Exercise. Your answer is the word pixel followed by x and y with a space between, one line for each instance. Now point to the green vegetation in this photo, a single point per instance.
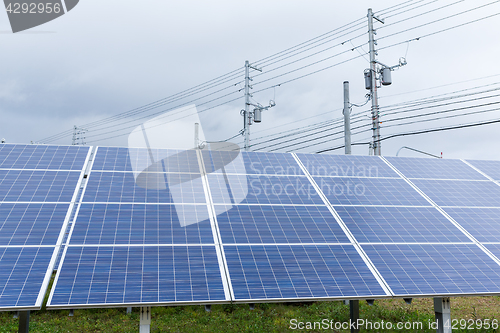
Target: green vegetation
pixel 265 318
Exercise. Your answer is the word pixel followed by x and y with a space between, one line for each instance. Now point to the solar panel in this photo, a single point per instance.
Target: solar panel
pixel 113 224
pixel 491 168
pixel 369 191
pixel 133 159
pixel 252 164
pixel 434 168
pixel 482 223
pixel 279 224
pixel 37 186
pixel 31 223
pixel 22 273
pixel 253 189
pixel 435 269
pixel 157 188
pixel 346 166
pixel 287 272
pixel 46 157
pixel 97 276
pixel 399 225
pixel 461 192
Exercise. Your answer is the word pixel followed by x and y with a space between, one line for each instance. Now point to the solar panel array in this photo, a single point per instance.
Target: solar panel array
pixel 160 226
pixel 37 187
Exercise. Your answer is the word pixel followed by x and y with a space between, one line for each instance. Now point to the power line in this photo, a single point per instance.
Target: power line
pixel 422 132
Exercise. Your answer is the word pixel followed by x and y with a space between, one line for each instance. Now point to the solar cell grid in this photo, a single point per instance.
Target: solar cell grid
pixel 138 159
pixel 265 272
pixel 279 224
pixel 40 186
pixel 434 168
pixel 491 168
pixel 254 189
pixel 461 193
pixel 399 224
pixel 139 274
pixel 14 156
pixel 156 188
pixel 369 191
pixel 435 269
pixel 252 163
pixel 141 224
pixel 346 166
pixel 31 224
pixel 22 271
pixel 482 223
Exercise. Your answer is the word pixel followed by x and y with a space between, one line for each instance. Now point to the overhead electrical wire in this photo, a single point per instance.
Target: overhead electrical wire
pixel 439 129
pixel 271 60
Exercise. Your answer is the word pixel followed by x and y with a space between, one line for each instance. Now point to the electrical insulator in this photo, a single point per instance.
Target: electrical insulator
pixel 368 79
pixel 386 76
pixel 257 115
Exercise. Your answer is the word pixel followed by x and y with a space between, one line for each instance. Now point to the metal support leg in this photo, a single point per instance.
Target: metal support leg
pixel 346 302
pixel 145 321
pixel 71 313
pixel 24 321
pixel 442 309
pixel 129 310
pixel 208 308
pixel 252 306
pixel 16 315
pixel 354 309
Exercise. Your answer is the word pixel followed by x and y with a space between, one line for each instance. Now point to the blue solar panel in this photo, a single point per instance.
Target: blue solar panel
pixel 22 271
pixel 369 191
pixel 42 186
pixel 31 224
pixel 158 188
pixel 434 168
pixel 42 157
pixel 461 193
pixel 346 166
pixel 399 224
pixel 491 168
pixel 435 269
pixel 139 274
pixel 141 224
pixel 134 159
pixel 482 223
pixel 265 272
pixel 279 224
pixel 278 190
pixel 252 163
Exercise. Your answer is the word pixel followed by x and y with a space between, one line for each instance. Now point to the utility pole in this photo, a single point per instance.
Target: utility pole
pixel 371 82
pixel 78 139
pixel 250 116
pixel 246 115
pixel 347 119
pixel 373 90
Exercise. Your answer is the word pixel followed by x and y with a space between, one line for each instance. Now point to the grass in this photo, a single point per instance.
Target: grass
pixel 265 318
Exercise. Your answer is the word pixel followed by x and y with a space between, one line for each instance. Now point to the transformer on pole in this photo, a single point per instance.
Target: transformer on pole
pixel 249 117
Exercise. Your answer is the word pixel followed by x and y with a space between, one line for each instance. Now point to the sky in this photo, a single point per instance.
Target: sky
pixel 104 58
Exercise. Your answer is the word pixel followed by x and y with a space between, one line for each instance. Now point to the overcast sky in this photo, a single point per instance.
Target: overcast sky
pixel 107 57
